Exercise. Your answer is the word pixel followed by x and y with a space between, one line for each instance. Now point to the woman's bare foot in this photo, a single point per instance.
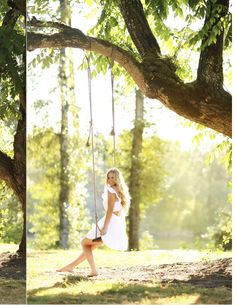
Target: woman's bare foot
pixel 93 273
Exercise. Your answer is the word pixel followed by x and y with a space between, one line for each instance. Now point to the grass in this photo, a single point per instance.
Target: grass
pixel 11 291
pixel 47 287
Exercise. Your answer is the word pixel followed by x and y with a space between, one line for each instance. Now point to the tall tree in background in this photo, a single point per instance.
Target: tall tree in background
pixel 64 76
pixel 135 173
pixel 13 100
pixel 203 99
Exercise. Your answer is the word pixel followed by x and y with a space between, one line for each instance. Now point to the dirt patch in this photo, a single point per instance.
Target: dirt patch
pixel 215 273
pixel 12 266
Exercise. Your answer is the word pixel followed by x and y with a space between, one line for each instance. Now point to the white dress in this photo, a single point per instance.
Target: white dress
pixel 116 237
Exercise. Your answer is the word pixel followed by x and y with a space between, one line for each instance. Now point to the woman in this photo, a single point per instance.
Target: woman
pixel 111 229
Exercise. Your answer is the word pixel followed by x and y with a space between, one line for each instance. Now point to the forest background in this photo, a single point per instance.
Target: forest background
pixel 184 168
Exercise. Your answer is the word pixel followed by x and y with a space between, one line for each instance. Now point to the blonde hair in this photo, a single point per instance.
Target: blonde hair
pixel 121 187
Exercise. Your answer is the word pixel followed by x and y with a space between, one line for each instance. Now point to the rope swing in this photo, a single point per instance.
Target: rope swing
pixel 113 113
pixel 92 141
pixel 91 134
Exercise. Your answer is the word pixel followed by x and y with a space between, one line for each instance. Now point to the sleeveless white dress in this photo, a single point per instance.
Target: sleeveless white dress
pixel 116 237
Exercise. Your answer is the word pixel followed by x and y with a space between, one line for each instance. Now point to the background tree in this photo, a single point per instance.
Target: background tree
pixel 13 103
pixel 135 172
pixel 44 190
pixel 64 135
pixel 196 194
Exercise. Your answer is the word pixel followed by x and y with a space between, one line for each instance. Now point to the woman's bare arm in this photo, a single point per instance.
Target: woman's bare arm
pixel 111 202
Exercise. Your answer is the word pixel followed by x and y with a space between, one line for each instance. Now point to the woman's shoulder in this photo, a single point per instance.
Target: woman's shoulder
pixel 113 189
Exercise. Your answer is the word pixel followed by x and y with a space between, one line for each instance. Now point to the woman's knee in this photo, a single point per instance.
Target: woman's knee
pixel 84 242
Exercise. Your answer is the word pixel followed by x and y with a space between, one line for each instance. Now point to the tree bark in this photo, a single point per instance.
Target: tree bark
pixel 138 27
pixel 20 168
pixel 135 173
pixel 210 69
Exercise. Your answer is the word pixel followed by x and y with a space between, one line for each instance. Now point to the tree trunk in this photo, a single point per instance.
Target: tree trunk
pixel 20 157
pixel 64 137
pixel 20 191
pixel 22 197
pixel 134 183
pixel 64 177
pixel 18 179
pixel 13 172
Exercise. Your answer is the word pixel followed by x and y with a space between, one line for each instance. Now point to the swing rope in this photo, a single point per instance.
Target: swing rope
pixel 91 133
pixel 113 113
pixel 92 141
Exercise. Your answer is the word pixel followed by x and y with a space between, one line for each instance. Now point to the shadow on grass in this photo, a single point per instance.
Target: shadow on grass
pixel 12 291
pixel 12 279
pixel 121 293
pixel 12 266
pixel 209 281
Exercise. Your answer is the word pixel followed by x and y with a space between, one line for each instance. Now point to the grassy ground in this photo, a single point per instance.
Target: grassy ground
pixel 12 291
pixel 45 286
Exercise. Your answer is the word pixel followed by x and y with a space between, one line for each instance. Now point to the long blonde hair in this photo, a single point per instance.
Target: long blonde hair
pixel 122 188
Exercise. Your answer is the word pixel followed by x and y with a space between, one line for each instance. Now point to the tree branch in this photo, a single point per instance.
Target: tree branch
pixel 138 27
pixel 6 167
pixel 11 172
pixel 210 69
pixel 74 38
pixel 155 77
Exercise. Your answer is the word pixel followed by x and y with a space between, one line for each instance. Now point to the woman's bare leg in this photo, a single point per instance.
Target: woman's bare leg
pixel 88 252
pixel 79 260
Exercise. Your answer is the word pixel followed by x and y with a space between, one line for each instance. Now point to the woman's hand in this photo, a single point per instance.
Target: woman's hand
pixel 103 231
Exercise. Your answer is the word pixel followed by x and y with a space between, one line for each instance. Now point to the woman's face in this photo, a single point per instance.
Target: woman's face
pixel 111 179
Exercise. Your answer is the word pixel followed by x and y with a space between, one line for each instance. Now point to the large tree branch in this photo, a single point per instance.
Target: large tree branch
pixel 9 173
pixel 74 38
pixel 6 167
pixel 155 77
pixel 210 69
pixel 138 27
